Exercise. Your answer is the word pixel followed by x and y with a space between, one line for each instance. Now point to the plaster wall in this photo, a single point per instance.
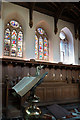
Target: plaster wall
pixel 12 11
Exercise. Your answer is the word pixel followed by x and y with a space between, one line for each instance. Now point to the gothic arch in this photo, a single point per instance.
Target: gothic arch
pixel 69 37
pixel 43 24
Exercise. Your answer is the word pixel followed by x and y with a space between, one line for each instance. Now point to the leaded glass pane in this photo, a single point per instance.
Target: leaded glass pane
pixel 41 44
pixel 62 35
pixel 36 47
pixel 7 42
pixel 45 49
pixel 20 39
pixel 13 43
pixel 41 31
pixel 40 48
pixel 14 23
pixel 20 36
pixel 19 53
pixel 6 47
pixel 7 34
pixel 13 39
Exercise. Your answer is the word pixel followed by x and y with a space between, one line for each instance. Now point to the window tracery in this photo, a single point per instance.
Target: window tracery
pixel 41 44
pixel 13 39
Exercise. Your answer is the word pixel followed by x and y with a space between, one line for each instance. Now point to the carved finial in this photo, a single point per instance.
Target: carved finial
pixel 38 69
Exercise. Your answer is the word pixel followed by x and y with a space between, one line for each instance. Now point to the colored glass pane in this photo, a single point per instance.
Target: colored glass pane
pixel 40 48
pixel 13 52
pixel 20 36
pixel 19 54
pixel 13 43
pixel 14 35
pixel 7 34
pixel 6 47
pixel 14 23
pixel 41 31
pixel 7 42
pixel 45 49
pixel 45 42
pixel 36 46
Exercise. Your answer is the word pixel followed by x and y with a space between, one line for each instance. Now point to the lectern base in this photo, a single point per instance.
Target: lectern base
pixel 32 112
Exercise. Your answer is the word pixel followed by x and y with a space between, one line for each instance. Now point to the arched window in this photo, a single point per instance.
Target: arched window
pixel 13 39
pixel 64 47
pixel 41 44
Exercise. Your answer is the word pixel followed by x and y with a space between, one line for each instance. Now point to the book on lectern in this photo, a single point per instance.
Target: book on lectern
pixel 24 85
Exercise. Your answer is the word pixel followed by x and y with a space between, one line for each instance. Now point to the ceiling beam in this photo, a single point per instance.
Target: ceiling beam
pixel 50 5
pixel 74 12
pixel 56 11
pixel 77 8
pixel 54 3
pixel 44 11
pixel 31 14
pixel 58 15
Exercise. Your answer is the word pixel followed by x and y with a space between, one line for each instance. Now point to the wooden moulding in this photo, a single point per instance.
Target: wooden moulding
pixel 32 62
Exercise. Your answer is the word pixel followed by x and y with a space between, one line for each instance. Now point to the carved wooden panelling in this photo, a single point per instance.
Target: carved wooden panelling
pixel 25 71
pixel 66 92
pixel 56 86
pixel 47 78
pixel 50 94
pixel 40 92
pixel 64 74
pixel 32 71
pixel 69 76
pixel 58 72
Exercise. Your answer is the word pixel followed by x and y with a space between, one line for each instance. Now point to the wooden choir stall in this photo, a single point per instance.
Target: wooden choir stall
pixel 61 84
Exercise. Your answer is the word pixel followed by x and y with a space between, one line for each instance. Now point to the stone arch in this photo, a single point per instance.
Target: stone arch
pixel 47 29
pixel 15 16
pixel 45 26
pixel 71 44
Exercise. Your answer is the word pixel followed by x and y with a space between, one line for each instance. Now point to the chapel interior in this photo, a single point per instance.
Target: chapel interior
pixel 38 38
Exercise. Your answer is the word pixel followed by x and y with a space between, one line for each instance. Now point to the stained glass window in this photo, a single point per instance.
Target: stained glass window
pixel 40 30
pixel 41 45
pixel 20 39
pixel 13 39
pixel 14 23
pixel 7 42
pixel 45 49
pixel 40 48
pixel 36 46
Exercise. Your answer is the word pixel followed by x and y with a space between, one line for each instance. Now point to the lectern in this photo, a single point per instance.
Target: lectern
pixel 29 84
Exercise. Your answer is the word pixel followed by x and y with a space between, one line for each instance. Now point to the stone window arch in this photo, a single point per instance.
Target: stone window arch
pixel 13 39
pixel 41 44
pixel 66 46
